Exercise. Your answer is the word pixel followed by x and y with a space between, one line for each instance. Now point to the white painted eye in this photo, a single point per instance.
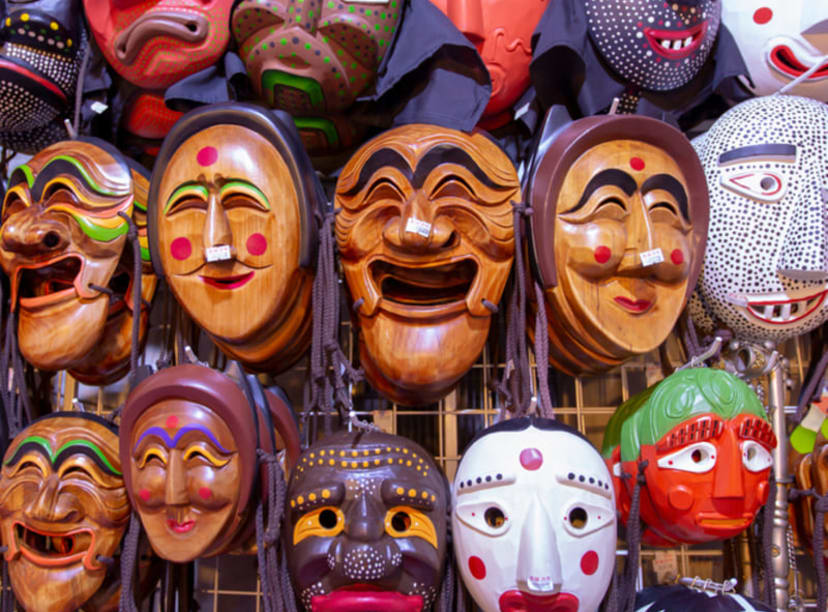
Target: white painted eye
pixel 489 517
pixel 582 518
pixel 697 458
pixel 757 184
pixel 755 457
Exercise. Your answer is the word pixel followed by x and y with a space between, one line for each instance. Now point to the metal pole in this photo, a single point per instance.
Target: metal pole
pixel 779 544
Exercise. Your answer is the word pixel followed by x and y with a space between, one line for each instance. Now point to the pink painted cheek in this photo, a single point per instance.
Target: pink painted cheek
pixel 602 254
pixel 144 494
pixel 677 257
pixel 477 567
pixel 256 244
pixel 180 248
pixel 589 562
pixel 681 498
pixel 205 492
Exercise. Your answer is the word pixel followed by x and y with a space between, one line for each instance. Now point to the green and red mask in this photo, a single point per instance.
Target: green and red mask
pixel 707 442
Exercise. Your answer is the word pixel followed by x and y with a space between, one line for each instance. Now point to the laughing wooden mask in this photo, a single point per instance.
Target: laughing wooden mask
pixel 426 240
pixel 365 526
pixel 232 226
pixel 63 505
pixel 61 242
pixel 617 236
pixel 188 447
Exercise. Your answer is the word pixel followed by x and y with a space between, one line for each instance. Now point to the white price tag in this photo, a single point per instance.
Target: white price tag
pixel 98 107
pixel 665 565
pixel 416 226
pixel 651 258
pixel 218 253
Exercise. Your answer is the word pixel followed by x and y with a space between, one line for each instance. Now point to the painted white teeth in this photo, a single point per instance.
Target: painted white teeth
pixel 665 44
pixel 768 311
pixel 785 313
pixel 677 45
pixel 688 41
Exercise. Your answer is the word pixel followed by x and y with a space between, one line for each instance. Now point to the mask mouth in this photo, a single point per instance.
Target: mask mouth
pixel 49 548
pixel 366 598
pixel 518 601
pixel 716 521
pixel 424 287
pixel 676 44
pixel 785 61
pixel 233 281
pixel 48 283
pixel 780 311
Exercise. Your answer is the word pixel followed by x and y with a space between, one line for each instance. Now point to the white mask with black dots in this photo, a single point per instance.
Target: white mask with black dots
pixel 651 43
pixel 765 272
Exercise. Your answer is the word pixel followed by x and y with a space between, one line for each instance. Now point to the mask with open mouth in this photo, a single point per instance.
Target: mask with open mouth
pixel 708 442
pixel 533 519
pixel 154 43
pixel 61 242
pixel 63 505
pixel 426 241
pixel 365 524
pixel 502 32
pixel 43 41
pixel 314 59
pixel 188 447
pixel 232 227
pixel 617 236
pixel 654 44
pixel 765 273
pixel 779 41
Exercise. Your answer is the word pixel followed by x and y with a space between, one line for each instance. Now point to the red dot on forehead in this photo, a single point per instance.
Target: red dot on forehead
pixel 207 156
pixel 172 422
pixel 637 164
pixel 589 562
pixel 477 567
pixel 531 458
pixel 762 15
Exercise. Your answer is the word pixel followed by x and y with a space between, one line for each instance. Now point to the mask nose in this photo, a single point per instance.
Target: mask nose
pixel 467 15
pixel 539 565
pixel 417 229
pixel 30 233
pixel 727 475
pixel 805 252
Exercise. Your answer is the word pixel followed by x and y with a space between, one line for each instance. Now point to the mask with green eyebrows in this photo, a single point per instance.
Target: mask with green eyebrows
pixel 62 245
pixel 707 442
pixel 63 505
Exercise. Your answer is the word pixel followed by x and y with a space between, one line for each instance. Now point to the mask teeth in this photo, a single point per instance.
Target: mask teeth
pixel 784 312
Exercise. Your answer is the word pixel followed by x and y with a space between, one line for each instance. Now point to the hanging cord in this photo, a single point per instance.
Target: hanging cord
pixel 542 356
pixel 612 603
pixel 267 537
pixel 79 89
pixel 767 533
pixel 132 236
pixel 129 564
pixel 633 539
pixel 7 598
pixel 690 337
pixel 15 391
pixel 816 66
pixel 820 507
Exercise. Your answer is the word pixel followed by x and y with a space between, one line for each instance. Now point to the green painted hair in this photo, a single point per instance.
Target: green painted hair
pixel 646 417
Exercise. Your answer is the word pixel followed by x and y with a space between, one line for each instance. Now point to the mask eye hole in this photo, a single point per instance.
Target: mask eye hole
pixel 328 518
pixel 696 458
pixel 401 521
pixel 762 185
pixel 578 517
pixel 755 457
pixel 494 517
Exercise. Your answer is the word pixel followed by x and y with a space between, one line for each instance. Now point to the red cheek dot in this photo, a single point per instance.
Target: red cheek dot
pixel 602 254
pixel 256 244
pixel 172 422
pixel 205 492
pixel 477 567
pixel 637 164
pixel 763 15
pixel 144 494
pixel 677 257
pixel 180 248
pixel 207 156
pixel 589 562
pixel 531 458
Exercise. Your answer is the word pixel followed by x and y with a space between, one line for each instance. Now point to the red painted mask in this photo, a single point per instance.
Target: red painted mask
pixel 502 32
pixel 154 43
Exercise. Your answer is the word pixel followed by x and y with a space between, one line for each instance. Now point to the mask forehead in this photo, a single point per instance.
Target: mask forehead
pixel 766 265
pixel 654 44
pixel 780 41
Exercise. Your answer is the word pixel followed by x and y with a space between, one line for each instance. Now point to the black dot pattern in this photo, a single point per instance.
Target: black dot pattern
pixel 758 248
pixel 630 35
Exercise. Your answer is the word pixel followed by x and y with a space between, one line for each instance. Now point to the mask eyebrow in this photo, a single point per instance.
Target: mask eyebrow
pixel 786 151
pixel 485 481
pixel 611 176
pixel 448 154
pixel 380 159
pixel 189 186
pixel 703 428
pixel 31 444
pixel 325 494
pixel 589 483
pixel 171 442
pixel 68 165
pixel 671 185
pixel 398 491
pixel 231 184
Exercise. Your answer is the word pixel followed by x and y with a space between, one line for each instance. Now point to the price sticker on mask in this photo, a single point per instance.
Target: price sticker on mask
pixel 417 226
pixel 652 257
pixel 218 253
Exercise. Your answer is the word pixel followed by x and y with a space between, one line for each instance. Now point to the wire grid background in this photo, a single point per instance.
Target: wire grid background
pixel 230 582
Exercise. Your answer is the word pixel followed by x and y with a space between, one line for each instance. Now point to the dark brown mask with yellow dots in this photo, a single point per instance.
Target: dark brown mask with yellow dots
pixel 366 524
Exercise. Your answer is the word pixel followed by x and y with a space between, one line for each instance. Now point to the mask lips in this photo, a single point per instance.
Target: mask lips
pixel 785 60
pixel 48 283
pixel 54 549
pixel 362 597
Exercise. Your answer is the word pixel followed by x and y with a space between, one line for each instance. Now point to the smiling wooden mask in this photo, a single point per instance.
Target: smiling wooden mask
pixel 426 241
pixel 232 225
pixel 63 505
pixel 61 242
pixel 618 235
pixel 365 527
pixel 188 446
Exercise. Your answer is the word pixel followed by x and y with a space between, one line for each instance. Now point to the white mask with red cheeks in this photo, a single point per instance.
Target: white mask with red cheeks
pixel 534 519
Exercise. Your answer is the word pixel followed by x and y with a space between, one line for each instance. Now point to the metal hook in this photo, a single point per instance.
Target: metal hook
pixel 705 355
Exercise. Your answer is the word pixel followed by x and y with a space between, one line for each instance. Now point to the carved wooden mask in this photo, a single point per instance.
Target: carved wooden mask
pixel 231 225
pixel 154 43
pixel 426 240
pixel 62 505
pixel 61 237
pixel 618 236
pixel 708 444
pixel 188 446
pixel 365 524
pixel 810 472
pixel 502 32
pixel 313 59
